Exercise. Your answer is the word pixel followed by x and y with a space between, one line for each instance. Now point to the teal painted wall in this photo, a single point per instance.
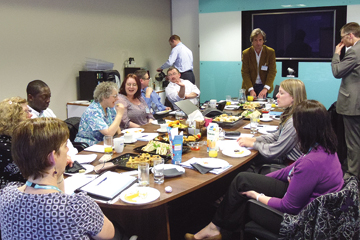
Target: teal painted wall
pixel 211 6
pixel 219 79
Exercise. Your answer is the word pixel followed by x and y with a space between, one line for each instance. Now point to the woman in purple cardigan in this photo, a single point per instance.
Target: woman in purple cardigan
pixel 315 173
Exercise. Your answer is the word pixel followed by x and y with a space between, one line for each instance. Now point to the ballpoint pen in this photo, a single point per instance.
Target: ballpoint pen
pixel 101 181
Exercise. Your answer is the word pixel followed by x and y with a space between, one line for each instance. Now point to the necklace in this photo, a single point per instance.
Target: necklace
pixel 37 186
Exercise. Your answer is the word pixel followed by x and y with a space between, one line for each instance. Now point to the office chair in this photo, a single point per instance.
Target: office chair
pixel 330 216
pixel 275 92
pixel 73 125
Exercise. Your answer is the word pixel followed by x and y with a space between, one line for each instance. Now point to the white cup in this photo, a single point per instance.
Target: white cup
pixel 128 137
pixel 119 144
pixel 212 103
pixel 163 127
pixel 266 115
pixel 268 106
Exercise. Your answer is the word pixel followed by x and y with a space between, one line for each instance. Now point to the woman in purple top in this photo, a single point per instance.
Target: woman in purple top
pixel 137 112
pixel 315 173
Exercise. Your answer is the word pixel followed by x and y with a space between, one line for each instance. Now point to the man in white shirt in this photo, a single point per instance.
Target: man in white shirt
pixel 38 97
pixel 180 89
pixel 180 57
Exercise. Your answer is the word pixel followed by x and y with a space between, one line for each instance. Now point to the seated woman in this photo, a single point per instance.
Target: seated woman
pixel 40 209
pixel 12 111
pixel 315 173
pixel 102 117
pixel 137 112
pixel 282 145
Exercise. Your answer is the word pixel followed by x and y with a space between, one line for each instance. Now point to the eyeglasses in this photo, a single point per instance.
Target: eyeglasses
pixel 129 84
pixel 145 79
pixel 344 36
pixel 115 96
pixel 172 74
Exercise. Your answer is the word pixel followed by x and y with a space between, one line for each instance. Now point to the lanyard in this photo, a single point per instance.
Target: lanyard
pixel 37 186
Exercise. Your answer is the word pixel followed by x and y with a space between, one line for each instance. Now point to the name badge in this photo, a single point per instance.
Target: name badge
pixel 264 68
pixel 147 110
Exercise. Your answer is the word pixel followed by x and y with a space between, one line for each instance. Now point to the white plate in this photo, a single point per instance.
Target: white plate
pixel 162 112
pixel 170 166
pixel 133 141
pixel 264 130
pixel 88 167
pixel 133 130
pixel 155 122
pixel 161 131
pixel 151 195
pixel 231 107
pixel 243 152
pixel 212 162
pixel 266 119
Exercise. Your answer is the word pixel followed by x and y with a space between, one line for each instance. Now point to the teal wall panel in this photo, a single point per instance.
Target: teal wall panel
pixel 219 79
pixel 211 6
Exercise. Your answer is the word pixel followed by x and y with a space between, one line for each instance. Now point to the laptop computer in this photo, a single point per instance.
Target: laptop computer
pixel 186 106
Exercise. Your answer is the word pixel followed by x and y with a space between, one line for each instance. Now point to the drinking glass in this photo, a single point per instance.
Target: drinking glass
pixel 254 122
pixel 108 144
pixel 242 96
pixel 143 174
pixel 158 171
pixel 228 99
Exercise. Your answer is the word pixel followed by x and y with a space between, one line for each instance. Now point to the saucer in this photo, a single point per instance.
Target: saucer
pixel 161 131
pixel 133 141
pixel 266 119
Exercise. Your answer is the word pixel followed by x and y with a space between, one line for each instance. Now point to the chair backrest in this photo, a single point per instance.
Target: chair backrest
pixel 330 216
pixel 275 92
pixel 73 125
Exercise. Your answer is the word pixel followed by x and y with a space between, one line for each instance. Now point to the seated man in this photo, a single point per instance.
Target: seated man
pixel 180 89
pixel 38 97
pixel 151 98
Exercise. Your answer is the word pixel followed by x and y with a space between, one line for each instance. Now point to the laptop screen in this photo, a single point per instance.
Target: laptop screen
pixel 186 106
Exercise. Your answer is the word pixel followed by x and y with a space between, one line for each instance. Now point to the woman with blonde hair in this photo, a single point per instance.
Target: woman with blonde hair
pixel 12 111
pixel 282 145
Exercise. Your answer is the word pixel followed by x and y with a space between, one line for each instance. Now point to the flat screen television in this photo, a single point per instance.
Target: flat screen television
pixel 303 34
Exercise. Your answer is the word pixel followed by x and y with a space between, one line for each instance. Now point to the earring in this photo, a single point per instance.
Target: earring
pixel 55 172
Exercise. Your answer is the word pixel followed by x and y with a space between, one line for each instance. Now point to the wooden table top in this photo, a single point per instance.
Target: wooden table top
pixel 190 181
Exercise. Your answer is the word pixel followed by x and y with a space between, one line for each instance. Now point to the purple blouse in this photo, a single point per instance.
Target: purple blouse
pixel 139 114
pixel 311 176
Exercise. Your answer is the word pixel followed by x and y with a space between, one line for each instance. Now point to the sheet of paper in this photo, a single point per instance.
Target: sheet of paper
pixel 95 148
pixel 147 136
pixel 84 158
pixel 76 181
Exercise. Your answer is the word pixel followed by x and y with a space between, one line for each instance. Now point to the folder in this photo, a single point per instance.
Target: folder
pixel 107 186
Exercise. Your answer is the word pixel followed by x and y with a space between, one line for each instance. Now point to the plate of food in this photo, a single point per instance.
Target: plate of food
pixel 162 112
pixel 251 105
pixel 186 138
pixel 235 153
pixel 133 130
pixel 159 148
pixel 139 195
pixel 177 124
pixel 158 122
pixel 247 114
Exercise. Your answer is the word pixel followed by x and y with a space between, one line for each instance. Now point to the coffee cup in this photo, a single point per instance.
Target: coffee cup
pixel 268 106
pixel 163 127
pixel 119 144
pixel 128 137
pixel 266 116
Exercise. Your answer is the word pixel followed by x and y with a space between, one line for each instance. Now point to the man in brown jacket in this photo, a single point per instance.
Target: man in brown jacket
pixel 258 66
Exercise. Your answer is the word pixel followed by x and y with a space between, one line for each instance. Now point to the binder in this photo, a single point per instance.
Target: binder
pixel 107 186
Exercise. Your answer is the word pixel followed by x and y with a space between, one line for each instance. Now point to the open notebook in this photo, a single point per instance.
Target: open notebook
pixel 108 185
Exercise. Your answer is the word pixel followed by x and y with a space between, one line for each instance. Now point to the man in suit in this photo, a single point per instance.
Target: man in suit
pixel 258 66
pixel 348 102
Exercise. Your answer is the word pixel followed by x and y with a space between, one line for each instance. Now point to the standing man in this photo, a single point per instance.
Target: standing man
pixel 348 102
pixel 258 66
pixel 150 96
pixel 181 58
pixel 180 89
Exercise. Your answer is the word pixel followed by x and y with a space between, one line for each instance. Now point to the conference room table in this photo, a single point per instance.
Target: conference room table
pixel 156 219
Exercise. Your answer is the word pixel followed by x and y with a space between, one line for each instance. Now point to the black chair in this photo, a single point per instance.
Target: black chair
pixel 330 216
pixel 73 125
pixel 275 92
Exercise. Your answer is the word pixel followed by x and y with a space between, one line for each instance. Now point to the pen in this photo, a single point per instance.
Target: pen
pixel 144 136
pixel 101 181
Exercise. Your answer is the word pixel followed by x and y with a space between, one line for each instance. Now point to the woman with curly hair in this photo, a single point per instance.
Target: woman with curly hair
pixel 12 111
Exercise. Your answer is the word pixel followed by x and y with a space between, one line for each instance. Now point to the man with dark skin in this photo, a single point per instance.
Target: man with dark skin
pixel 38 97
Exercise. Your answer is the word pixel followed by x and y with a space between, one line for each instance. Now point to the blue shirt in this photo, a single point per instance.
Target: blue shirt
pixel 92 121
pixel 181 57
pixel 153 102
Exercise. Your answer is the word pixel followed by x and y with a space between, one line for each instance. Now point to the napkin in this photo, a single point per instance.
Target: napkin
pixel 200 168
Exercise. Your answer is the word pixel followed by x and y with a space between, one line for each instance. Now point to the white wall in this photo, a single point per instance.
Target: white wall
pixel 50 40
pixel 185 23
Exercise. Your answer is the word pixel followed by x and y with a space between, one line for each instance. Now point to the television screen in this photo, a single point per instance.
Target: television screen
pixel 300 34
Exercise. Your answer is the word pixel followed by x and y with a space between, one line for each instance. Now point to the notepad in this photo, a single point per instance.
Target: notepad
pixel 108 185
